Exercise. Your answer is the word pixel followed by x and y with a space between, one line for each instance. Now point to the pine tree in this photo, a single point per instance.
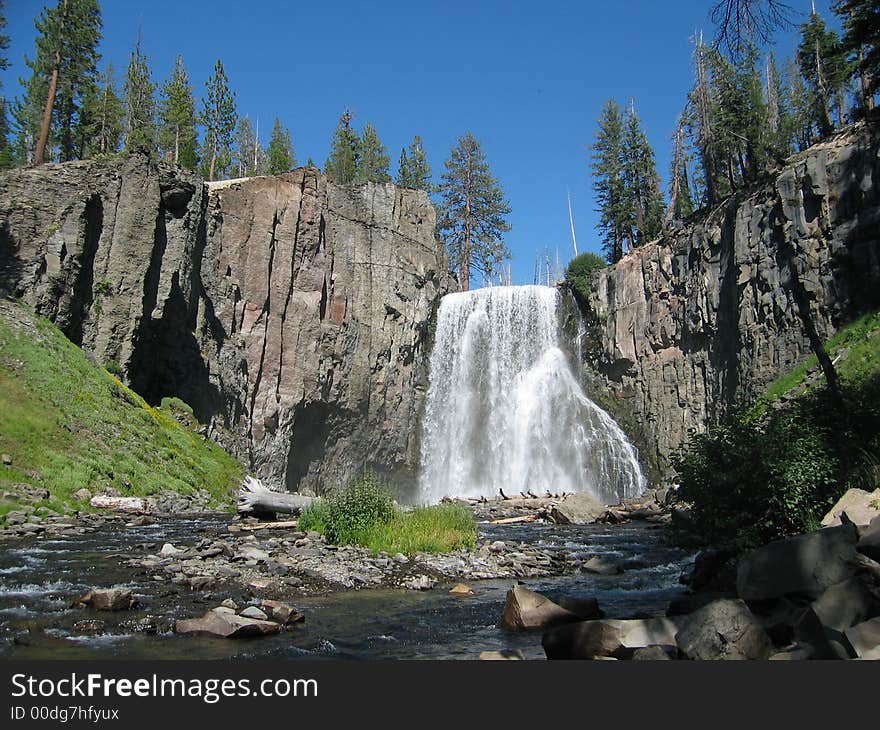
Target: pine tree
pixel 681 202
pixel 644 201
pixel 609 182
pixel 703 124
pixel 139 94
pixel 248 151
pixel 473 213
pixel 64 68
pixel 7 157
pixel 342 164
pixel 374 161
pixel 281 156
pixel 100 130
pixel 823 64
pixel 413 171
pixel 861 40
pixel 219 118
pixel 177 119
pixel 801 107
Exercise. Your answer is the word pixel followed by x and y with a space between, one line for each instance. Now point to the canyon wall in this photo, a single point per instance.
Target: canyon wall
pixel 683 329
pixel 292 314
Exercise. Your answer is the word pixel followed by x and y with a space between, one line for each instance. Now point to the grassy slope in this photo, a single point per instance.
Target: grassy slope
pixel 68 424
pixel 855 350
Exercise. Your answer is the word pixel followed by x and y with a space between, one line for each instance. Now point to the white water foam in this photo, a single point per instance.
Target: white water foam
pixel 504 410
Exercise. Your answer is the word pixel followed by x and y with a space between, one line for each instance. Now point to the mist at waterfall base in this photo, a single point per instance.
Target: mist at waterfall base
pixel 505 411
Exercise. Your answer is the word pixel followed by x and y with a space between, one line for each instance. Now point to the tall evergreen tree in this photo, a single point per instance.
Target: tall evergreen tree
pixel 219 118
pixel 474 212
pixel 342 164
pixel 413 170
pixel 681 202
pixel 177 119
pixel 374 161
pixel 64 68
pixel 823 64
pixel 7 158
pixel 139 95
pixel 703 123
pixel 609 182
pixel 248 153
pixel 280 154
pixel 644 201
pixel 100 130
pixel 861 39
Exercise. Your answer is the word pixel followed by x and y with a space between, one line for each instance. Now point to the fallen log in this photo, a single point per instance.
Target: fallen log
pixel 515 520
pixel 137 505
pixel 255 499
pixel 285 525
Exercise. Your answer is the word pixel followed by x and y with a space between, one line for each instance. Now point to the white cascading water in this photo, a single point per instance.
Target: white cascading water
pixel 504 410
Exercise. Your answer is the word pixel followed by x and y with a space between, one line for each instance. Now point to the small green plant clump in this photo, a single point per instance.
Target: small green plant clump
pixel 579 273
pixel 364 514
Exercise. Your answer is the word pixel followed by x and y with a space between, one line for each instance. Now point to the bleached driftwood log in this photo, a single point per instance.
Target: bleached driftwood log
pixel 255 499
pixel 138 505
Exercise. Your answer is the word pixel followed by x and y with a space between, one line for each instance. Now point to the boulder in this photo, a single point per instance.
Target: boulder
pixel 226 625
pixel 526 609
pixel 864 638
pixel 284 613
pixel 504 654
pixel 713 569
pixel 724 629
pixel 586 609
pixel 254 612
pixel 460 589
pixel 869 539
pixel 108 599
pixel 795 652
pixel 601 566
pixel 577 509
pixel 608 637
pixel 827 642
pixel 801 565
pixel 845 604
pixel 860 507
pixel 652 654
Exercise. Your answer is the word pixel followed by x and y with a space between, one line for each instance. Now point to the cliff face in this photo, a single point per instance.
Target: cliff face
pixel 292 314
pixel 681 330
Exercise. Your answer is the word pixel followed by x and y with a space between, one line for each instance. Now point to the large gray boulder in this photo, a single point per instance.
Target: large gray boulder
pixel 801 565
pixel 859 506
pixel 226 625
pixel 724 629
pixel 527 609
pixel 577 509
pixel 865 639
pixel 608 637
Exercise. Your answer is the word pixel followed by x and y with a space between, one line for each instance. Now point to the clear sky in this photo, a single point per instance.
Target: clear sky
pixel 527 78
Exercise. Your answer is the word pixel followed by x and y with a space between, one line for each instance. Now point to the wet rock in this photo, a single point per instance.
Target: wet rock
pixel 601 566
pixel 577 509
pixel 226 625
pixel 253 612
pixel 724 629
pixel 282 612
pixel 89 626
pixel 460 589
pixel 109 599
pixel 858 507
pixel 865 639
pixel 502 655
pixel 527 609
pixel 804 564
pixel 586 609
pixel 607 637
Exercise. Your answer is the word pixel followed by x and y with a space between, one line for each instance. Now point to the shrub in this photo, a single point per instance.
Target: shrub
pixel 114 368
pixel 579 273
pixel 353 512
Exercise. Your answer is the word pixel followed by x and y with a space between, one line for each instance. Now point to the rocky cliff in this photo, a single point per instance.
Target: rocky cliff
pixel 292 314
pixel 683 329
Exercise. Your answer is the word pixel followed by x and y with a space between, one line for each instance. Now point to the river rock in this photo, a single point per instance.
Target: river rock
pixel 108 599
pixel 607 637
pixel 282 612
pixel 226 625
pixel 859 506
pixel 527 609
pixel 586 609
pixel 504 654
pixel 865 639
pixel 254 612
pixel 724 629
pixel 577 509
pixel 460 589
pixel 869 540
pixel 845 604
pixel 601 566
pixel 168 550
pixel 805 564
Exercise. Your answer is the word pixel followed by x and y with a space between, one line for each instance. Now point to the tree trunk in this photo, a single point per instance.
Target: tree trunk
pixel 254 498
pixel 176 143
pixel 47 112
pixel 466 252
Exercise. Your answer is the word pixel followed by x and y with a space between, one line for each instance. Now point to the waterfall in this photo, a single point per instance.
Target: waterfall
pixel 504 410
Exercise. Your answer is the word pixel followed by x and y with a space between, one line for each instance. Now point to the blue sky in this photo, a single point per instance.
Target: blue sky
pixel 528 79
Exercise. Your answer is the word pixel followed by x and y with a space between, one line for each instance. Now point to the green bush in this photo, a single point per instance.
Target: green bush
pixel 357 509
pixel 114 368
pixel 579 273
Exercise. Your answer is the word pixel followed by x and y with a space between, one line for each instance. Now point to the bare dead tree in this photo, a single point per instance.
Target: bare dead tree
pixel 739 21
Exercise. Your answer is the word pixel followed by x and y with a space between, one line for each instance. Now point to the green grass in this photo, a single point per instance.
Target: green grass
pixel 363 514
pixel 858 344
pixel 68 424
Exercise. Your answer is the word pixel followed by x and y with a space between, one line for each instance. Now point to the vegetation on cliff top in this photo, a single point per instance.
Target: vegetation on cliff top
pixel 777 468
pixel 69 425
pixel 364 514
